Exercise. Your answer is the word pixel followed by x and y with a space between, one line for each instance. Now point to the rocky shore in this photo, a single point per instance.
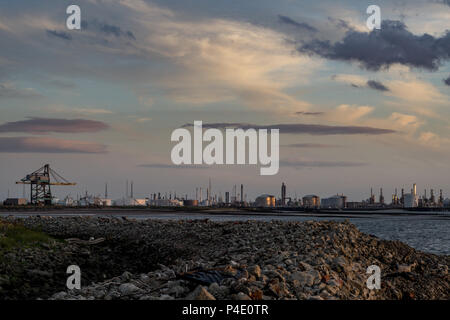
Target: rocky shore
pixel 152 259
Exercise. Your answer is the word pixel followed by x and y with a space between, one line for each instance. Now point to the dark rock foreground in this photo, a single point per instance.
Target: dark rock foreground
pixel 254 260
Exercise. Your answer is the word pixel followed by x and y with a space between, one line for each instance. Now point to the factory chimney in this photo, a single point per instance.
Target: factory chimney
pixel 131 195
pixel 283 194
pixel 381 196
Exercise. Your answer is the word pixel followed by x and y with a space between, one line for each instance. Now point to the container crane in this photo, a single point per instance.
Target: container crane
pixel 40 182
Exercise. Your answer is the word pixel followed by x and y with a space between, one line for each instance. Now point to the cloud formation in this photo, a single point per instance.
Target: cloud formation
pixel 357 81
pixel 447 81
pixel 376 85
pixel 109 29
pixel 47 125
pixel 48 145
pixel 172 166
pixel 305 113
pixel 59 34
pixel 300 128
pixel 299 25
pixel 320 164
pixel 380 49
pixel 9 91
pixel 310 145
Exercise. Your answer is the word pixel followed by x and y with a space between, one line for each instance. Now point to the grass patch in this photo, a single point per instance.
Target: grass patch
pixel 15 235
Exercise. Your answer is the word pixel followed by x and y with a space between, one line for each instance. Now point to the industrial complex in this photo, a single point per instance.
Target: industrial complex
pixel 41 181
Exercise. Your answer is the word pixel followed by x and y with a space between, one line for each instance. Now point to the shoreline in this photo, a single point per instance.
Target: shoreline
pixel 146 259
pixel 113 211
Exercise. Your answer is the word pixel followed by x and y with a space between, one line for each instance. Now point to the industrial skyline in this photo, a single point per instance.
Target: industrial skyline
pixel 42 181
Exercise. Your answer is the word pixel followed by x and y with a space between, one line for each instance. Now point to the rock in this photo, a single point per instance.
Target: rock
pixel 144 278
pixel 241 296
pixel 256 294
pixel 200 293
pixel 277 288
pixel 315 298
pixel 178 291
pixel 219 292
pixel 128 288
pixel 60 295
pixel 99 294
pixel 306 278
pixel 404 268
pixel 126 276
pixel 230 271
pixel 339 264
pixel 40 273
pixel 255 270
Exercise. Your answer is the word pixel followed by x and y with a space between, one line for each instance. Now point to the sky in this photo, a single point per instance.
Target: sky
pixel 356 108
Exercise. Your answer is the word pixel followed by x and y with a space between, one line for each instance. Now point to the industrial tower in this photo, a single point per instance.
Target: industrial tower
pixel 40 182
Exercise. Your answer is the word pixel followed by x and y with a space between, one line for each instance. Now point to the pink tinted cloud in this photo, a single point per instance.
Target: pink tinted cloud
pixel 48 145
pixel 47 125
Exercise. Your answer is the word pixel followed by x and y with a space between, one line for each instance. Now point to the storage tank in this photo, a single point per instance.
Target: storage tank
pixel 265 200
pixel 190 203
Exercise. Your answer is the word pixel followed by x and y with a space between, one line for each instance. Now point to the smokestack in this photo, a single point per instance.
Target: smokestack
pixel 132 195
pixel 106 190
pixel 209 191
pixel 242 193
pixel 283 194
pixel 381 196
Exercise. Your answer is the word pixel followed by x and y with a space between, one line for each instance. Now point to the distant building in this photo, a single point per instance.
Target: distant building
pixel 265 200
pixel 15 202
pixel 446 203
pixel 104 202
pixel 334 202
pixel 190 203
pixel 168 202
pixel 130 202
pixel 67 202
pixel 311 201
pixel 355 205
pixel 410 201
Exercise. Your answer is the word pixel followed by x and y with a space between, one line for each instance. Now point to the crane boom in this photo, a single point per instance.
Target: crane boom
pixel 40 182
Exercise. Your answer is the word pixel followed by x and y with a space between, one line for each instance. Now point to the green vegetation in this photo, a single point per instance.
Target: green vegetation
pixel 15 235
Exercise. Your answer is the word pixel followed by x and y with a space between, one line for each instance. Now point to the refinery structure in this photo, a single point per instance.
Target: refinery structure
pixel 41 181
